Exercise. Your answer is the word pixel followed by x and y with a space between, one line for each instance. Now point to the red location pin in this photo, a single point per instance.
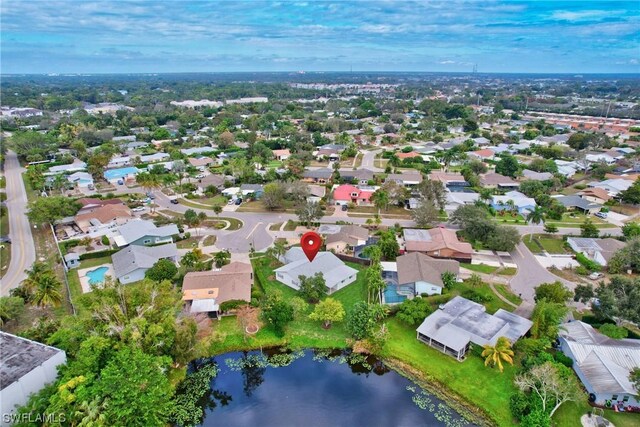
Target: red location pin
pixel 311 243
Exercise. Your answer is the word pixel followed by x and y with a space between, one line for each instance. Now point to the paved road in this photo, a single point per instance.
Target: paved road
pixel 23 251
pixel 368 160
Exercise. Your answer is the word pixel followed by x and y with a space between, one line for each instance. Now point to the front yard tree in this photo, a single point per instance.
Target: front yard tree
pixel 619 300
pixel 309 212
pixel 550 228
pixel 507 166
pixel 627 258
pixel 313 288
pixel 50 209
pixel 328 311
pixel 589 229
pixel 388 245
pixel 425 214
pixel 632 194
pixel 380 199
pixel 503 238
pixel 217 209
pixel 546 319
pixel 553 292
pixel 163 269
pixel 434 191
pixel 496 354
pixel 221 258
pixel 278 314
pixel 448 279
pixel 273 196
pixel 552 383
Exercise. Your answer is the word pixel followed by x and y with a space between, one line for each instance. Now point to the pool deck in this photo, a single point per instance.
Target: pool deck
pixel 84 279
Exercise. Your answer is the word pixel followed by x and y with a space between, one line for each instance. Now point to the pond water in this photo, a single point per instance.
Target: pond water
pixel 317 388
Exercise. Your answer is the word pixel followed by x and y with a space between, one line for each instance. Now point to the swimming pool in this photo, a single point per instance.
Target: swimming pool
pixel 97 276
pixel 120 173
pixel 391 295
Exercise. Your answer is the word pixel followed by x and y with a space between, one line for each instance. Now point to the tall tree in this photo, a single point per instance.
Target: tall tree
pixel 328 311
pixel 426 214
pixel 52 208
pixel 309 212
pixel 551 383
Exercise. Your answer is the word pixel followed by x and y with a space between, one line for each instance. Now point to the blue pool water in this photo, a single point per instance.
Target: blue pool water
pixel 391 295
pixel 120 173
pixel 97 276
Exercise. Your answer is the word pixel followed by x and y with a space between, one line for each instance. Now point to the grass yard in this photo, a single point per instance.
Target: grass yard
pixel 482 294
pixel 235 224
pixel 577 219
pixel 568 415
pixel 508 271
pixel 391 211
pixel 190 243
pixel 551 244
pixel 486 389
pixel 479 268
pixel 258 206
pixel 505 291
pixel 275 227
pixel 5 248
pixel 290 226
pixel 209 241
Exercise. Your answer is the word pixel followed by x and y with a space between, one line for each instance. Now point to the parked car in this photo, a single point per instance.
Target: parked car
pixel 120 182
pixel 138 209
pixel 601 215
pixel 91 187
pixel 230 202
pixel 596 276
pixel 238 201
pixel 174 201
pixel 5 239
pixel 344 207
pixel 150 195
pixel 200 176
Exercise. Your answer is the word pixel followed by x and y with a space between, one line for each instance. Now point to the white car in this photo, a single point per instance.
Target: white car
pixel 596 276
pixel 200 176
pixel 138 209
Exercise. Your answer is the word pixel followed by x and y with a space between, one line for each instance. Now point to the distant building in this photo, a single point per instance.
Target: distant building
pixel 25 368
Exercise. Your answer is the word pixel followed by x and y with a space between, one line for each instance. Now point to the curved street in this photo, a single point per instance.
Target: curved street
pixel 23 251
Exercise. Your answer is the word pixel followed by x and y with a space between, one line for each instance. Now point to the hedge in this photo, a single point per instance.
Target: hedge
pixel 100 254
pixel 587 263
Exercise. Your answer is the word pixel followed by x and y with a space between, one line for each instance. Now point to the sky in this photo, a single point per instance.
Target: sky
pixel 223 36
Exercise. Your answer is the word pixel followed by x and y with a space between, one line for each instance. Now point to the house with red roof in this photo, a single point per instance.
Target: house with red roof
pixel 484 154
pixel 344 194
pixel 408 155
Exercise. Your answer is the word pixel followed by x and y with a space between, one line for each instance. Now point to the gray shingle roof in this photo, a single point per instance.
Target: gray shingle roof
pixel 134 257
pixel 333 270
pixel 137 228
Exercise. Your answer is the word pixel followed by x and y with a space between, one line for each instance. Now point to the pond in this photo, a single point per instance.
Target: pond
pixel 317 388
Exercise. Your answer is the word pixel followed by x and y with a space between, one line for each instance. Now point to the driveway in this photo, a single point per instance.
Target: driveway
pixel 23 251
pixel 531 274
pixel 368 158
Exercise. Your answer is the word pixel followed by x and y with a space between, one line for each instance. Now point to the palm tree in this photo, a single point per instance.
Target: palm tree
pixel 279 248
pixel 497 353
pixel 221 258
pixel 48 292
pixel 169 179
pixel 536 216
pixel 380 199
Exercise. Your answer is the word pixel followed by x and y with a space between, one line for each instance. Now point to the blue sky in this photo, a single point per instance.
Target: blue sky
pixel 163 36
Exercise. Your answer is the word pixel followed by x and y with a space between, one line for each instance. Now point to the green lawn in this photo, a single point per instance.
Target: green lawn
pixel 479 268
pixel 290 226
pixel 577 219
pixel 505 291
pixel 482 294
pixel 258 206
pixel 209 241
pixel 486 389
pixel 551 244
pixel 190 243
pixel 211 221
pixel 371 210
pixel 5 248
pixel 568 415
pixel 275 227
pixel 508 271
pixel 206 203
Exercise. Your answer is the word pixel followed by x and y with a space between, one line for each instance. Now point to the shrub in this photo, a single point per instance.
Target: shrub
pixel 232 304
pixel 561 358
pixel 475 296
pixel 581 270
pixel 613 331
pixel 105 240
pixel 99 254
pixel 587 263
pixel 414 311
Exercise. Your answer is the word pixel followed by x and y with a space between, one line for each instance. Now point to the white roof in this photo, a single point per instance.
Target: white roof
pixel 204 305
pixel 333 270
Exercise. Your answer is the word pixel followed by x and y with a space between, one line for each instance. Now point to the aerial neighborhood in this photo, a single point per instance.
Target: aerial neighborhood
pixel 472 236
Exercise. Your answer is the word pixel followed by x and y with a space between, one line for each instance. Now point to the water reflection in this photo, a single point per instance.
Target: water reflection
pixel 315 388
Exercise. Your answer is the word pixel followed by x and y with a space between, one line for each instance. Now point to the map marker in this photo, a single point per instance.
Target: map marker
pixel 311 243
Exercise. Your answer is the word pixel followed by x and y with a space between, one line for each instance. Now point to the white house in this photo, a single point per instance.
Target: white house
pixel 25 368
pixel 603 364
pixel 336 274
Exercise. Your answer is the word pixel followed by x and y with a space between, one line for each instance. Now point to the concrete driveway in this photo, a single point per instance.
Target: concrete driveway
pixel 23 251
pixel 368 157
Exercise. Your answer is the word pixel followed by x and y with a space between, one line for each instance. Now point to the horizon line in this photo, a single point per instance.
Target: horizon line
pixel 302 72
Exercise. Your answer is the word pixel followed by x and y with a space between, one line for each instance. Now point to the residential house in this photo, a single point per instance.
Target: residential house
pixel 76 166
pixel 597 250
pixel 482 155
pixel 515 200
pixel 612 186
pixel 595 195
pixel 458 323
pixel 316 193
pixel 356 177
pixel 252 190
pixel 154 158
pixel 344 194
pixel 200 163
pixel 495 180
pixel 282 154
pixel 120 175
pixel 575 202
pixel 566 168
pixel 118 162
pixel 143 232
pixel 318 176
pixel 336 274
pixel 26 367
pixel 409 155
pixel 88 204
pixel 347 238
pixel 438 242
pixel 456 199
pixel 536 176
pixel 449 179
pixel 205 291
pixel 211 180
pixel 197 150
pixel 406 179
pixel 602 364
pixel 415 274
pixel 131 263
pixel 103 220
pixel 81 179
